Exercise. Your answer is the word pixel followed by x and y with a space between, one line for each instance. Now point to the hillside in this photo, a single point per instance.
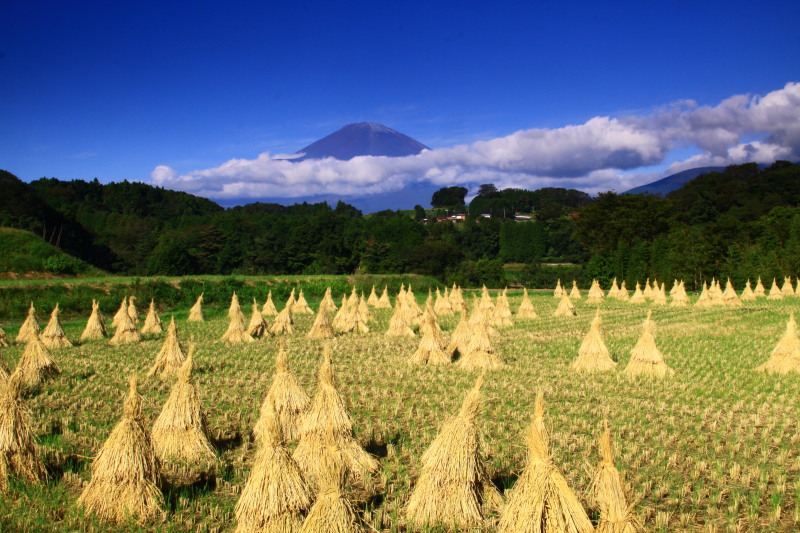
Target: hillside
pixel 23 254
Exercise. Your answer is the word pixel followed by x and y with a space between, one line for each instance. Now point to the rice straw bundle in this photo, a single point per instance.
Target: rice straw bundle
pixel 257 327
pixel 301 306
pixel 747 294
pixel 3 339
pixel 716 293
pixel 593 355
pixel 454 488
pixel 456 298
pixel 429 351
pixel 363 310
pixel 322 327
pixel 459 340
pixel 558 292
pixel 133 313
pixel 612 292
pixel 332 512
pixel 36 364
pixel 608 493
pixel 180 435
pixel 327 304
pixel 565 307
pixel 797 287
pixel 787 289
pixel 4 371
pixel 785 356
pixel 638 295
pixel 501 317
pixel 442 306
pixel 121 312
pixel 647 292
pixel 30 328
pixel 679 296
pixel 526 310
pixel 479 352
pixel 95 328
pixel 622 294
pixel 575 293
pixel 236 334
pixel 340 319
pixel 275 497
pixel 125 471
pixel 383 301
pixel 285 401
pixel 152 322
pixel 774 292
pixel 660 295
pixel 126 332
pixel 430 321
pixel 759 291
pixel 373 298
pixel 171 357
pixel 269 308
pixel 328 422
pixel 541 500
pixel 705 298
pixel 19 454
pixel 196 312
pixel 486 304
pixel 646 359
pixel 412 307
pixel 284 323
pixel 596 294
pixel 53 336
pixel 730 297
pixel 290 301
pixel 235 310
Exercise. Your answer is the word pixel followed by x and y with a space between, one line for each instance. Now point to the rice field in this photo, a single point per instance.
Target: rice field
pixel 716 448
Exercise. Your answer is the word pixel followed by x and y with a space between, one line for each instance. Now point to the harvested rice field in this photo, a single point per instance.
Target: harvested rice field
pixel 713 448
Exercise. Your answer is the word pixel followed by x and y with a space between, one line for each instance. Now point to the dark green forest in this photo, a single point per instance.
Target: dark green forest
pixel 743 222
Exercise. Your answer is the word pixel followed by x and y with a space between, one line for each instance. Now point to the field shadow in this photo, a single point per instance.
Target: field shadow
pixel 229 442
pixel 175 491
pixel 505 482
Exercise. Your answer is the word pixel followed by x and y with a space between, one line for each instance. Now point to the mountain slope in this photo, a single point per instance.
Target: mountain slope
pixel 23 252
pixel 363 138
pixel 672 182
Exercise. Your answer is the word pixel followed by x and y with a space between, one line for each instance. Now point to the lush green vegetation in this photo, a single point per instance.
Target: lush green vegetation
pixel 22 251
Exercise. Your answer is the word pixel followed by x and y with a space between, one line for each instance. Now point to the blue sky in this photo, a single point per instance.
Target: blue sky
pixel 192 95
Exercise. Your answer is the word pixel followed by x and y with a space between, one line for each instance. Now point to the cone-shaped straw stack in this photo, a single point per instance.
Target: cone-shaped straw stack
pixel 284 323
pixel 285 401
pixel 608 493
pixel 95 328
pixel 53 336
pixel 258 326
pixel 322 327
pixel 705 298
pixel 400 322
pixel 373 297
pixel 327 422
pixel 646 359
pixel 30 328
pixel 276 497
pixel 565 307
pixel 593 355
pixel 775 292
pixel 36 365
pixel 121 312
pixel 559 291
pixel 332 511
pixel 3 339
pixel 575 293
pixel 430 350
pixel 125 471
pixel 501 316
pixel 596 294
pixel 526 310
pixel 622 293
pixel 614 290
pixel 327 305
pixel 171 357
pixel 786 355
pixel 126 332
pixel 383 301
pixel 454 488
pixel 459 340
pixel 152 322
pixel 479 352
pixel 660 295
pixel 679 296
pixel 19 455
pixel 638 295
pixel 747 294
pixel 541 499
pixel 759 291
pixel 236 332
pixel 269 308
pixel 133 313
pixel 180 436
pixel 301 307
pixel 196 312
pixel 787 289
pixel 442 306
pixel 235 310
pixel 730 297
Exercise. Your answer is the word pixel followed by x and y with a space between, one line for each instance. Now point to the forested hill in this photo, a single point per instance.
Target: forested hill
pixel 741 222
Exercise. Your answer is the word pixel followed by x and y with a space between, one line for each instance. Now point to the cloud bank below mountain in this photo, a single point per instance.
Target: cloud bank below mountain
pixel 604 153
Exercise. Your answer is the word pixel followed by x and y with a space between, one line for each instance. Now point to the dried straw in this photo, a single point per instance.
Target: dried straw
pixel 660 295
pixel 171 357
pixel 558 292
pixel 19 454
pixel 301 306
pixel 284 323
pixel 3 339
pixel 332 512
pixel 383 301
pixel 785 356
pixel 236 334
pixel 125 471
pixel 53 336
pixel 258 326
pixel 775 292
pixel 541 500
pixel 730 297
pixel 36 364
pixel 430 350
pixel 596 294
pixel 638 296
pixel 180 435
pixel 235 310
pixel 526 310
pixel 459 340
pixel 269 308
pixel 95 328
pixel 373 297
pixel 759 291
pixel 614 290
pixel 152 322
pixel 454 488
pixel 126 332
pixel 705 298
pixel 121 312
pixel 196 312
pixel 285 400
pixel 646 359
pixel 133 313
pixel 593 355
pixel 575 293
pixel 565 307
pixel 322 327
pixel 679 296
pixel 442 306
pixel 479 352
pixel 747 294
pixel 30 328
pixel 622 294
pixel 787 289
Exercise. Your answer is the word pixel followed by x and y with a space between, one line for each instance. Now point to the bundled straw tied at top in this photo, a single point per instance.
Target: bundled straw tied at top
pixel 526 310
pixel 558 292
pixel 327 305
pixel 4 371
pixel 124 481
pixel 236 332
pixel 152 322
pixel 565 307
pixel 373 297
pixel 454 488
pixel 785 356
pixel 36 364
pixel 95 328
pixel 126 332
pixel 775 292
pixel 638 295
pixel 257 327
pixel 53 336
pixel 646 359
pixel 593 355
pixel 541 500
pixel 19 454
pixel 332 512
pixel 759 291
pixel 284 322
pixel 196 312
pixel 575 293
pixel 269 309
pixel 747 294
pixel 479 352
pixel 121 312
pixel 133 313
pixel 286 401
pixel 383 301
pixel 171 356
pixel 235 310
pixel 29 328
pixel 301 306
pixel 322 327
pixel 787 289
pixel 429 351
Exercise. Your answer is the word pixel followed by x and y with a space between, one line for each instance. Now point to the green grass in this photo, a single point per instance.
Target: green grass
pixel 716 448
pixel 23 252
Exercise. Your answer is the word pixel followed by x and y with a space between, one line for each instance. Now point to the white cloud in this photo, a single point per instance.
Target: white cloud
pixel 597 155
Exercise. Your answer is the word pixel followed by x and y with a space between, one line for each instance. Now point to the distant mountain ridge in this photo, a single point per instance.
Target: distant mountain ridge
pixel 361 139
pixel 672 182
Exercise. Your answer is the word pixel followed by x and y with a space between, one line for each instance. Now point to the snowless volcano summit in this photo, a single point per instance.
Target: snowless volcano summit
pixel 363 138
